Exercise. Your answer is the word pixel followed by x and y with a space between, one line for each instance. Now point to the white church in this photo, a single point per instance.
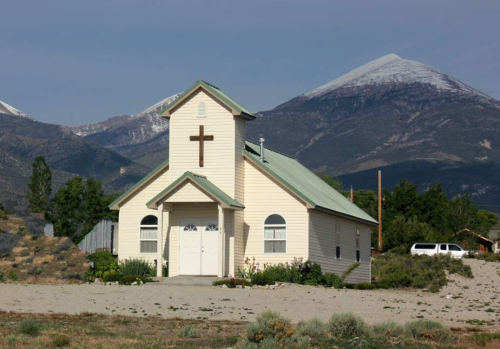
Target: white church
pixel 219 199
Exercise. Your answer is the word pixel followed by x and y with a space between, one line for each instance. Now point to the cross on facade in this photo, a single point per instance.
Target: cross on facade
pixel 201 138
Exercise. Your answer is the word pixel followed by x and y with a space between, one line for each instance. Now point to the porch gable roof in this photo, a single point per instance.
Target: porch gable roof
pixel 202 183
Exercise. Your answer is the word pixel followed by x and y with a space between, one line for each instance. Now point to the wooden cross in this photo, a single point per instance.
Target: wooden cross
pixel 201 138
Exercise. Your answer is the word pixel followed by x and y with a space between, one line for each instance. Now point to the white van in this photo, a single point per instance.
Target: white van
pixel 432 249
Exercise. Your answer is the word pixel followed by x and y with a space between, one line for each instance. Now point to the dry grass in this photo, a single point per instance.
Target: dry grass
pixel 12 223
pixel 89 330
pixel 101 331
pixel 44 260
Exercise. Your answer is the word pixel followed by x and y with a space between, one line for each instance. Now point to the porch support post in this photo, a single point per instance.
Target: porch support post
pixel 159 260
pixel 222 234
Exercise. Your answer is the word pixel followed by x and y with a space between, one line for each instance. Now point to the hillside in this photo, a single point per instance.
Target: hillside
pixel 22 139
pixel 391 112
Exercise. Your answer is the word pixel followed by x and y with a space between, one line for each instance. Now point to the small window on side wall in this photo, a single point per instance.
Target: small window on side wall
pixel 202 110
pixel 337 240
pixel 275 234
pixel 358 252
pixel 149 234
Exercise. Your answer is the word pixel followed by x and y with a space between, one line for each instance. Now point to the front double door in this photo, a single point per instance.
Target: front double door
pixel 198 247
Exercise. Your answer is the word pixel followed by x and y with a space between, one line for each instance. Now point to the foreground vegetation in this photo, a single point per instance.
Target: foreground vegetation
pixel 392 270
pixel 269 331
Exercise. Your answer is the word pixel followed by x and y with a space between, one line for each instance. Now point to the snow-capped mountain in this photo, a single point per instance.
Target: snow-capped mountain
pixel 127 130
pixel 390 112
pixel 392 69
pixel 10 110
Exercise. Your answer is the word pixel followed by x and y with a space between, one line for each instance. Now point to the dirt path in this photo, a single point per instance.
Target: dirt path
pixel 474 302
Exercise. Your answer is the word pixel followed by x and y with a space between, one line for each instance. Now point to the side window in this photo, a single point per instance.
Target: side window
pixel 454 248
pixel 358 251
pixel 337 240
pixel 202 110
pixel 149 234
pixel 275 234
pixel 443 247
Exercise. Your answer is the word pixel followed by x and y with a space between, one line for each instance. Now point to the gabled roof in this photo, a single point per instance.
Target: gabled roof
pixel 202 183
pixel 305 184
pixel 215 92
pixel 466 230
pixel 115 205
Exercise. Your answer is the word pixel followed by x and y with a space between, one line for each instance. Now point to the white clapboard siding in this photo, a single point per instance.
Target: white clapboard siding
pixel 264 197
pixel 239 216
pixel 131 214
pixel 188 193
pixel 322 245
pixel 219 154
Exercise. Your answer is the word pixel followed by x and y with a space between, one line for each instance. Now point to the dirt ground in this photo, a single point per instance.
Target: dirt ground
pixel 464 302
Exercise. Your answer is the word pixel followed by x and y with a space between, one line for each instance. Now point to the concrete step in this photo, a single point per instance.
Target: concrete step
pixel 189 281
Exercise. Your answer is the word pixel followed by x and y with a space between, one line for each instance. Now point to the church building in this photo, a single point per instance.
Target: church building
pixel 219 199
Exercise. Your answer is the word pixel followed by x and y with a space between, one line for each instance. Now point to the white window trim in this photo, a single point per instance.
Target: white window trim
pixel 198 115
pixel 140 240
pixel 357 241
pixel 339 233
pixel 270 226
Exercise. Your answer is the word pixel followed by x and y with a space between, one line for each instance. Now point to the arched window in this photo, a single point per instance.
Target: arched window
pixel 358 252
pixel 202 110
pixel 275 234
pixel 149 234
pixel 337 240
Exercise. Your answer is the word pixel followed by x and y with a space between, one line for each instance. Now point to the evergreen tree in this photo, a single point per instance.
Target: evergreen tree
pixel 40 186
pixel 78 206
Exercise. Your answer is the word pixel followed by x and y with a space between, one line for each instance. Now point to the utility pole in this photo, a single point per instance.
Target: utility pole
pixel 380 211
pixel 352 194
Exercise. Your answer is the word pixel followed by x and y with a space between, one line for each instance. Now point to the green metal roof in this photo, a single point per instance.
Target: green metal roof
pixel 218 94
pixel 203 182
pixel 304 183
pixel 137 185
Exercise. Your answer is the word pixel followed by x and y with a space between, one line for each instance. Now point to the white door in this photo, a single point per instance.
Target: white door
pixel 190 247
pixel 209 247
pixel 198 247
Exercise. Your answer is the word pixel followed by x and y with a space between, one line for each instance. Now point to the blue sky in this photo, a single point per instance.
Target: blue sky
pixel 72 63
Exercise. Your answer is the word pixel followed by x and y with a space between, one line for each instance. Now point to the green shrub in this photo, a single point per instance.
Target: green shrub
pixel 314 328
pixel 394 271
pixel 11 340
pixel 104 263
pixel 365 286
pixel 271 330
pixel 25 253
pixel 35 271
pixel 130 279
pixel 1 276
pixel 189 332
pixel 388 329
pixel 232 283
pixel 332 280
pixel 60 341
pixel 427 329
pixel 135 266
pixel 12 275
pixel 311 274
pixel 30 327
pixel 113 277
pixel 346 326
pixel 275 273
